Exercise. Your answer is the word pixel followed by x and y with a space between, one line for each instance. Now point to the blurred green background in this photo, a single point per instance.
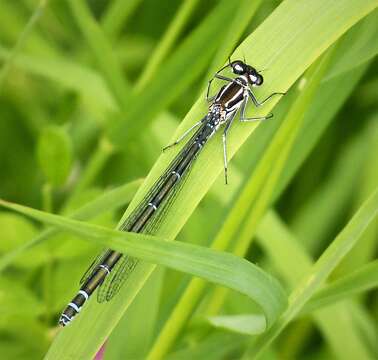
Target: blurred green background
pixel 57 107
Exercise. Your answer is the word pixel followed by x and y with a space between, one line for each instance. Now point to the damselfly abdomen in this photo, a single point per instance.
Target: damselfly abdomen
pixel 111 268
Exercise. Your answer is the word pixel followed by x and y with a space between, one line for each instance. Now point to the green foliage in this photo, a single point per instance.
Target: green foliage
pixel 90 92
pixel 54 152
pixel 222 268
pixel 16 231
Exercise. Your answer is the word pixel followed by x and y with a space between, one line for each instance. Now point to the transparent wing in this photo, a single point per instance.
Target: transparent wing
pixel 116 278
pixel 156 187
pixel 127 264
pixel 97 261
pixel 163 209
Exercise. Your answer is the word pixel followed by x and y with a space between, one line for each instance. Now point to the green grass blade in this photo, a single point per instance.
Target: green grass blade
pixel 318 119
pixel 319 272
pixel 95 164
pixel 242 324
pixel 260 188
pixel 194 53
pixel 365 323
pixel 262 181
pixel 21 40
pixel 369 179
pixel 12 24
pixel 55 154
pixel 68 74
pixel 362 279
pixel 240 132
pixel 242 17
pixel 330 171
pixel 278 242
pixel 334 322
pixel 116 16
pixel 330 198
pixel 107 202
pixel 222 268
pixel 287 48
pixel 215 347
pixel 103 53
pixel 164 46
pixel 148 302
pixel 365 46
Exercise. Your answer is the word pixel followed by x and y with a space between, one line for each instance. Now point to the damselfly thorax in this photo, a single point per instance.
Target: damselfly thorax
pixel 230 97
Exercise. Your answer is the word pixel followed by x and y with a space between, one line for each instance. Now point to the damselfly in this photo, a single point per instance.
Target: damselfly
pixel 111 268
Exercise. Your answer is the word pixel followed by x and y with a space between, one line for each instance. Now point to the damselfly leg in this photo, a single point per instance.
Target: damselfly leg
pixel 185 134
pixel 259 103
pixel 224 139
pixel 243 118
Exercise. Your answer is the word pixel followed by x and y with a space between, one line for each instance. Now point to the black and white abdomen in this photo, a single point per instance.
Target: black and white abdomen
pixel 73 308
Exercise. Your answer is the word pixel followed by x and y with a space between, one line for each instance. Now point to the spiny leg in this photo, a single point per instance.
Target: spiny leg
pixel 209 99
pixel 210 81
pixel 186 133
pixel 259 103
pixel 257 118
pixel 224 138
pixel 225 157
pixel 247 119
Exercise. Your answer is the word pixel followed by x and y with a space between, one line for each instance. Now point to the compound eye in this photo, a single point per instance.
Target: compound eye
pixel 256 79
pixel 238 67
pixel 259 80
